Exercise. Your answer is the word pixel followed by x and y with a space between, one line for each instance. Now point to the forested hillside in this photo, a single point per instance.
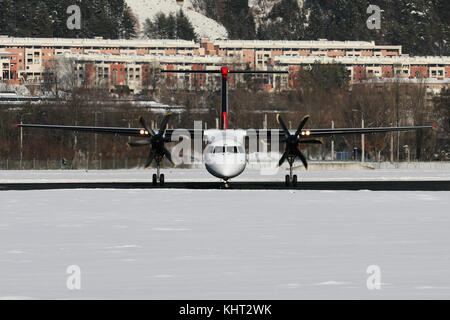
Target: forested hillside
pixel 422 27
pixel 110 19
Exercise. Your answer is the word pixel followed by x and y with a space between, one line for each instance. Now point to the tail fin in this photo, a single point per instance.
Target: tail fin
pixel 225 72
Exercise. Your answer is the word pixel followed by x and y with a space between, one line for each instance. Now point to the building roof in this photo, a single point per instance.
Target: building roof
pixel 97 42
pixel 392 60
pixel 167 43
pixel 148 58
pixel 320 44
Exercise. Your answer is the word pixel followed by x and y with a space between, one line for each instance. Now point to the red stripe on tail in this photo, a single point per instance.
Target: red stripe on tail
pixel 225 121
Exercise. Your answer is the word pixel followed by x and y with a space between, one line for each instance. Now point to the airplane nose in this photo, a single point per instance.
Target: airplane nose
pixel 225 170
pixel 229 170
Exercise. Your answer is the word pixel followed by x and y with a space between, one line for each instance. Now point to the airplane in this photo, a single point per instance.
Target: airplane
pixel 225 154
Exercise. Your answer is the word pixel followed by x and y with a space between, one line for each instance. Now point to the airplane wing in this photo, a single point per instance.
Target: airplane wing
pixel 133 132
pixel 138 132
pixel 343 131
pixel 116 131
pixel 322 133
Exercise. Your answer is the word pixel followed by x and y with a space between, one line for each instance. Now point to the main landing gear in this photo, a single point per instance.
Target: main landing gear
pixel 158 177
pixel 291 179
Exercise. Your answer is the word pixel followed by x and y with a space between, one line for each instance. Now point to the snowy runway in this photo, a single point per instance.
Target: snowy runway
pixel 186 244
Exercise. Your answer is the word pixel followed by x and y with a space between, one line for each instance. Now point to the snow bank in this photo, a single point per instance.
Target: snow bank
pixel 204 26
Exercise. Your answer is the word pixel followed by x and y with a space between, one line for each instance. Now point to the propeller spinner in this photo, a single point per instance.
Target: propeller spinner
pixel 156 140
pixel 292 150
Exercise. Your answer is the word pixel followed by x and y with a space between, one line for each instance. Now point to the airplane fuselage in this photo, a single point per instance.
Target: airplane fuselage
pixel 225 156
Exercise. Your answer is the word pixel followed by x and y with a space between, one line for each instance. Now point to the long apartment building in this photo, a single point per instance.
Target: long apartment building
pixel 130 62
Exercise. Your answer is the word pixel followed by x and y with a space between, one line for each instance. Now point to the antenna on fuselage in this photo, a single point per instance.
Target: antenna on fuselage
pixel 224 71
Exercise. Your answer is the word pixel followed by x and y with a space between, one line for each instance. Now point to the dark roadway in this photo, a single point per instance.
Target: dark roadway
pixel 320 185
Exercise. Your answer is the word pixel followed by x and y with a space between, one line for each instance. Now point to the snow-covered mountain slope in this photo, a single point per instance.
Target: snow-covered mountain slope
pixel 204 26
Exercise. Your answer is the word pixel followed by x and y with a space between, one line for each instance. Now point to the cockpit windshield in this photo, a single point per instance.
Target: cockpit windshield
pixel 232 150
pixel 227 149
pixel 219 150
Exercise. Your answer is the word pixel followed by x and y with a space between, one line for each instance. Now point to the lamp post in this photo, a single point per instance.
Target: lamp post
pixel 332 143
pixel 363 144
pixel 21 140
pixel 407 152
pixel 21 145
pixel 95 135
pixel 129 139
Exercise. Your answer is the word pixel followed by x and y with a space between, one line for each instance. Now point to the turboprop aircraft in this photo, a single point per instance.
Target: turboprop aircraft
pixel 225 153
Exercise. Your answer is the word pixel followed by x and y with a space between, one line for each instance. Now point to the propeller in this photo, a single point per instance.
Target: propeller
pixel 157 140
pixel 293 142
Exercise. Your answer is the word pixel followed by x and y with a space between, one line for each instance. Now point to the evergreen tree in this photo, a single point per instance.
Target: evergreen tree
pixel 48 18
pixel 286 21
pixel 149 29
pixel 325 76
pixel 158 28
pixel 169 27
pixel 8 18
pixel 172 26
pixel 128 24
pixel 316 24
pixel 237 19
pixel 184 28
pixel 41 23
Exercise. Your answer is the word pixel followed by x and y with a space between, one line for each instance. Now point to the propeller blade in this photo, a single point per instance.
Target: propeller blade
pixel 302 125
pixel 139 143
pixel 311 141
pixel 164 122
pixel 146 126
pixel 168 156
pixel 303 159
pixel 151 156
pixel 283 125
pixel 283 159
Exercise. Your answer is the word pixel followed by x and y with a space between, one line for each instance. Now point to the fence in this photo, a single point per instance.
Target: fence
pixel 255 163
pixel 48 164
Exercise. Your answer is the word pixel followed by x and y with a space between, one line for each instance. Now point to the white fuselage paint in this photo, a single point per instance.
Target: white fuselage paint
pixel 225 155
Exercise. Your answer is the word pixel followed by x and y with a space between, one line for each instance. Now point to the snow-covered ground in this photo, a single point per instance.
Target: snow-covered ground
pixel 204 26
pixel 222 244
pixel 202 175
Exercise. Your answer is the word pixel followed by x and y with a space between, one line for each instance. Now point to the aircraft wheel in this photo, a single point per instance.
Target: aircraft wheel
pixel 294 181
pixel 155 180
pixel 161 180
pixel 287 181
